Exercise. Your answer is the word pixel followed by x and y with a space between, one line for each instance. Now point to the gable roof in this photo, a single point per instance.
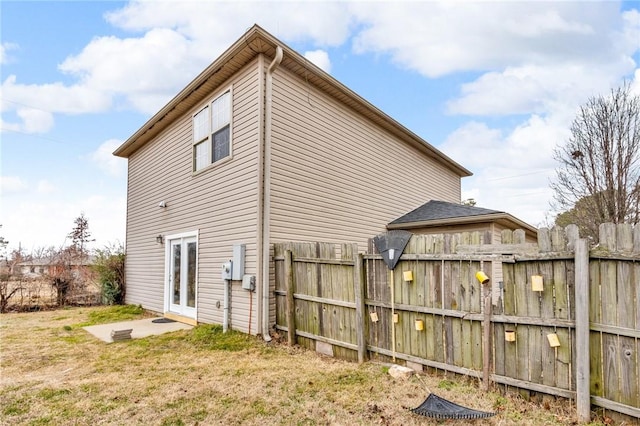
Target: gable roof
pixel 441 213
pixel 254 42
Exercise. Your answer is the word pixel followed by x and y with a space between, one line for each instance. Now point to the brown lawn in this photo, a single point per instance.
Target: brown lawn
pixel 55 373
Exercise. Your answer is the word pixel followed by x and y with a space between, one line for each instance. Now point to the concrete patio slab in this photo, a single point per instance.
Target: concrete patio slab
pixel 139 328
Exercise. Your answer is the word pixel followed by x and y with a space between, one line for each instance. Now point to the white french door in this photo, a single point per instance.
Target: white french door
pixel 181 285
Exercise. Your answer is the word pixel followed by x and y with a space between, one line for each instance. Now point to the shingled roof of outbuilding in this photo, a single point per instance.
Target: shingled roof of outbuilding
pixel 441 213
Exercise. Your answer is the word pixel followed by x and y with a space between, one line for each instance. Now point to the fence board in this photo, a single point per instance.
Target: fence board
pixel 595 347
pixel 535 353
pixel 628 371
pixel 498 349
pixel 563 360
pixel 611 363
pixel 549 355
pixel 560 290
pixel 522 353
pixel 511 354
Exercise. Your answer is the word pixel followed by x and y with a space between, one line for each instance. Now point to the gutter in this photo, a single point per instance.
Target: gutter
pixel 266 188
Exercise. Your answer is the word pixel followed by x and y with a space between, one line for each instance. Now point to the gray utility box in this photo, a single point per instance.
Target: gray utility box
pixel 237 271
pixel 249 282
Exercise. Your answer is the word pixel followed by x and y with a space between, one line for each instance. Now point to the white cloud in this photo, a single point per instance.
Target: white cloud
pixel 46 187
pixel 136 68
pixel 29 222
pixel 11 184
pixel 326 23
pixel 635 83
pixel 35 120
pixel 320 58
pixel 436 39
pixel 511 169
pixel 35 104
pixel 5 47
pixel 535 89
pixel 103 157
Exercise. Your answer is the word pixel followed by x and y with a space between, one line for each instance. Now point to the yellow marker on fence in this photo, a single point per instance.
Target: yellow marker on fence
pixel 554 342
pixel 537 283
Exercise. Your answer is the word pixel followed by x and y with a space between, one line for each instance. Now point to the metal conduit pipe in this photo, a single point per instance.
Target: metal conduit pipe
pixel 225 317
pixel 267 193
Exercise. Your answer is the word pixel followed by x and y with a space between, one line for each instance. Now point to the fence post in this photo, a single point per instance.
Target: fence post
pixel 291 306
pixel 486 324
pixel 583 358
pixel 361 325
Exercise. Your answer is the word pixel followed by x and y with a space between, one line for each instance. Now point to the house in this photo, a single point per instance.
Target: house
pixel 48 266
pixel 442 217
pixel 262 146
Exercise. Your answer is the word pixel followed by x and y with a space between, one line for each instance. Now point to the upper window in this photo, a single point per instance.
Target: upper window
pixel 212 132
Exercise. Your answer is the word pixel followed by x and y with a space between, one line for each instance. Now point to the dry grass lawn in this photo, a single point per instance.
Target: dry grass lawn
pixel 55 373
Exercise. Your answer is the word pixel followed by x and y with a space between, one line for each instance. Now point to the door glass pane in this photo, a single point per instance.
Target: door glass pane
pixel 176 273
pixel 191 275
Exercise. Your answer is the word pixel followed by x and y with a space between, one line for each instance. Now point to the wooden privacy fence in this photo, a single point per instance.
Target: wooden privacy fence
pixel 539 334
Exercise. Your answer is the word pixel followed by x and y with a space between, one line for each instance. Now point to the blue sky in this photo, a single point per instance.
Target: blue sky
pixel 494 85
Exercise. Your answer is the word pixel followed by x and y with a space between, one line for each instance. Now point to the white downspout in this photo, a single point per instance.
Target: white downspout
pixel 267 193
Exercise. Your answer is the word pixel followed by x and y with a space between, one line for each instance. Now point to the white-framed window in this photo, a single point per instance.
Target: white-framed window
pixel 212 132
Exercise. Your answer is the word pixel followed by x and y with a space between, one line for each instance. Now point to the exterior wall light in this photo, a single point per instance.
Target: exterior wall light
pixel 160 239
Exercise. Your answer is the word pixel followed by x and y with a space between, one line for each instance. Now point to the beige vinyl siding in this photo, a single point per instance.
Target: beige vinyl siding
pixel 336 176
pixel 220 202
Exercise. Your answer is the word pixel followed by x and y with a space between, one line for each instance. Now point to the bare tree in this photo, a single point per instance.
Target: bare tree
pixel 11 279
pixel 80 235
pixel 68 271
pixel 3 245
pixel 598 179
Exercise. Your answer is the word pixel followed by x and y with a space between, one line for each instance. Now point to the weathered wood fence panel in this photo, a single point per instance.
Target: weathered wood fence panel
pixel 324 305
pixel 615 320
pixel 343 305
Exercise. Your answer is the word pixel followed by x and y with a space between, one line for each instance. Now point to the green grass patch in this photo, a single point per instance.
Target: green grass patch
pixel 45 420
pixel 199 416
pixel 52 394
pixel 447 384
pixel 15 409
pixel 173 420
pixel 211 337
pixel 113 314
